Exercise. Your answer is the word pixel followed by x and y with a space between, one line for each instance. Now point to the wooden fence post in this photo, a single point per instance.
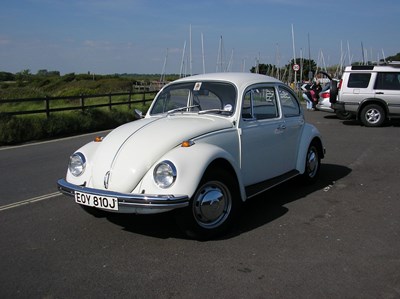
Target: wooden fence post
pixel 47 106
pixel 109 101
pixel 83 102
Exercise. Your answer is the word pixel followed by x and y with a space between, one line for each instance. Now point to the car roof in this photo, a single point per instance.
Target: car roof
pixel 379 68
pixel 238 79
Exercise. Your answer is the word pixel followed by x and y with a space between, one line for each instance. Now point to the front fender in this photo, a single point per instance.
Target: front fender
pixel 309 134
pixel 191 164
pixel 88 150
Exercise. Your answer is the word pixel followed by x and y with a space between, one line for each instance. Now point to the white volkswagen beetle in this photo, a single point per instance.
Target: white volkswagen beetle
pixel 207 143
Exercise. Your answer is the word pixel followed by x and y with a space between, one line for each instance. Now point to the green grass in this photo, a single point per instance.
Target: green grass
pixel 20 129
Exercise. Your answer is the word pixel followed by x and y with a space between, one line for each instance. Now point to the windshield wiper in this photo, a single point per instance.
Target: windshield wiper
pixel 218 111
pixel 182 109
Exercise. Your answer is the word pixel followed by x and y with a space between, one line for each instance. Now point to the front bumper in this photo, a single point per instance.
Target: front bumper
pixel 129 202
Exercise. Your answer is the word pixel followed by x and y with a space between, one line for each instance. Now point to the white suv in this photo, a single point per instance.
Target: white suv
pixel 370 93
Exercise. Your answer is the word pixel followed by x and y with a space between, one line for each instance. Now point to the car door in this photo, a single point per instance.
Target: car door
pixel 387 88
pixel 294 124
pixel 262 135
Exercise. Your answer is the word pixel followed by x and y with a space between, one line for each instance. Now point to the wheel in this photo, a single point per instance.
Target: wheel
pixel 213 207
pixel 372 115
pixel 343 115
pixel 313 164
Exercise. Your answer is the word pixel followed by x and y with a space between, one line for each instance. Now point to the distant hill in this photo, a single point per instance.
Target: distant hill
pixel 44 83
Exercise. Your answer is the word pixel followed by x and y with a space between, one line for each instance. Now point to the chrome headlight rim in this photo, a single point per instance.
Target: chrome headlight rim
pixel 165 174
pixel 77 164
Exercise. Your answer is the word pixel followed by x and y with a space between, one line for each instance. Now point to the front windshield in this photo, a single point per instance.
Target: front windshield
pixel 196 97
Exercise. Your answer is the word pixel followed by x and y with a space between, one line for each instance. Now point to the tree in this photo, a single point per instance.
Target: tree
pixel 393 58
pixel 308 67
pixel 22 76
pixel 5 76
pixel 46 73
pixel 264 69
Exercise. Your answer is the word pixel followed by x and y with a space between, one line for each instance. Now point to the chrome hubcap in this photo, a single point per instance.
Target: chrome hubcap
pixel 312 162
pixel 212 205
pixel 373 116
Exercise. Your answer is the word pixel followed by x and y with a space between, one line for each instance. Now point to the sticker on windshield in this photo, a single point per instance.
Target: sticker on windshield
pixel 228 107
pixel 197 86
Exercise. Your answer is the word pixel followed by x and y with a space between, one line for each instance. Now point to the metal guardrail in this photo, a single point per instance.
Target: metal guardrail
pixel 82 104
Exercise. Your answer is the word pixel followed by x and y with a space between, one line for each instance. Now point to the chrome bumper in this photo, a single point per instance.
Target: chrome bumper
pixel 136 203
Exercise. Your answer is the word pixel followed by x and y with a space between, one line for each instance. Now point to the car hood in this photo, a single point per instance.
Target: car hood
pixel 129 151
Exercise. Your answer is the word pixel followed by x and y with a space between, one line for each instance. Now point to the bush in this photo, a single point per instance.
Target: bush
pixel 19 129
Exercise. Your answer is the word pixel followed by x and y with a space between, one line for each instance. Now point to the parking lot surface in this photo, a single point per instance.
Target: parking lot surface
pixel 339 238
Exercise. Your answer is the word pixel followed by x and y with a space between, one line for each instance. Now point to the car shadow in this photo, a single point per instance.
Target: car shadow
pixel 386 124
pixel 331 116
pixel 354 122
pixel 256 212
pixel 271 204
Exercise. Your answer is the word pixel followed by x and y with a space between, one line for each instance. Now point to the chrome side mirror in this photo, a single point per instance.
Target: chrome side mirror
pixel 138 114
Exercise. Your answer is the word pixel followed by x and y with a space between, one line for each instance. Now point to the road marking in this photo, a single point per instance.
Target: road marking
pixel 29 201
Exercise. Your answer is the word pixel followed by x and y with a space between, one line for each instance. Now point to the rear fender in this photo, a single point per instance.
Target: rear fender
pixel 310 134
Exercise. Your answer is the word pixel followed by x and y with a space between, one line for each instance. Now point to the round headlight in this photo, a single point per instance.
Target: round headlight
pixel 165 174
pixel 77 164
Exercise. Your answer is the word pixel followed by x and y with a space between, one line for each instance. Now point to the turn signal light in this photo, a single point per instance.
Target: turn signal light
pixel 98 139
pixel 187 143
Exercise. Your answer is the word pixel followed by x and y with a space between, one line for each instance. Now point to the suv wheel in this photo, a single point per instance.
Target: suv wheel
pixel 372 115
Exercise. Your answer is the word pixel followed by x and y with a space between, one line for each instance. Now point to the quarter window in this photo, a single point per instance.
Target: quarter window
pixel 359 80
pixel 289 103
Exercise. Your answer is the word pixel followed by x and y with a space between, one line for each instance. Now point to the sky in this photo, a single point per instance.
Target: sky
pixel 149 36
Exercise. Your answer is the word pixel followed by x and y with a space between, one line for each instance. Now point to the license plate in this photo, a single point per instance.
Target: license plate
pixel 97 201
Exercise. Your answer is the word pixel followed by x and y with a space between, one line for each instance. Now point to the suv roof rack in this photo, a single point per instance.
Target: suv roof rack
pixel 362 67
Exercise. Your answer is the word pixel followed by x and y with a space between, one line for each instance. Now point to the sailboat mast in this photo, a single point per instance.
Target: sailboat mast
pixel 202 53
pixel 182 60
pixel 162 78
pixel 294 54
pixel 219 56
pixel 190 50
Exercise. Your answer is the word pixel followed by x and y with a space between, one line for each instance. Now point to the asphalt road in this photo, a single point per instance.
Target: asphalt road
pixel 339 238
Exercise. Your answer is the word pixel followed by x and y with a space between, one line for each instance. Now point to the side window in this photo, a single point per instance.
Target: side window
pixel 260 103
pixel 359 80
pixel 388 81
pixel 289 103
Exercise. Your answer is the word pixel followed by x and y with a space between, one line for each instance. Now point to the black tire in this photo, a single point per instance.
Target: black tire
pixel 313 164
pixel 343 115
pixel 213 207
pixel 372 115
pixel 333 92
